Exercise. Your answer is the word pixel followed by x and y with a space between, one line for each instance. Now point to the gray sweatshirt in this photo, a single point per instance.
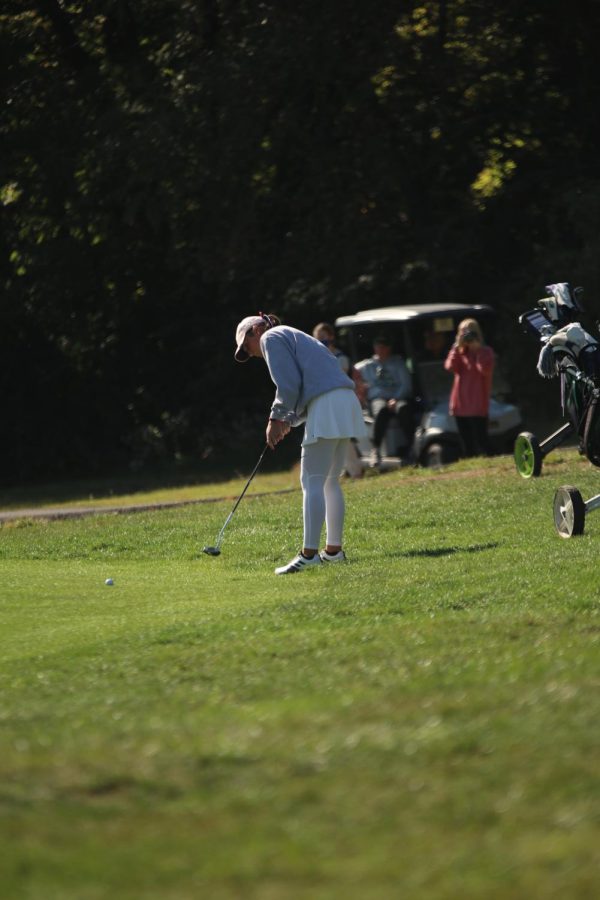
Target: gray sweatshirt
pixel 301 368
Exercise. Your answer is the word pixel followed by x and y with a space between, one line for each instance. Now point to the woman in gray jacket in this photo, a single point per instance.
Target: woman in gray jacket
pixel 310 388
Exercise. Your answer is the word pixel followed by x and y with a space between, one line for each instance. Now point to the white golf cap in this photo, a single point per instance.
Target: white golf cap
pixel 240 335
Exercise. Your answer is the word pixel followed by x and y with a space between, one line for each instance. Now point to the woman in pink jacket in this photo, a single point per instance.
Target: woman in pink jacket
pixel 472 364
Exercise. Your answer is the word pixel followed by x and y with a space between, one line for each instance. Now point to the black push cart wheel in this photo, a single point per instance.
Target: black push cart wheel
pixel 528 456
pixel 569 512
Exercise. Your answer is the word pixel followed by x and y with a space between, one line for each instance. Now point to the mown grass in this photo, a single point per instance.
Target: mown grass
pixel 421 722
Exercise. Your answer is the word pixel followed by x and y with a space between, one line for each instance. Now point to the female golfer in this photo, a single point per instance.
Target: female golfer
pixel 472 363
pixel 311 388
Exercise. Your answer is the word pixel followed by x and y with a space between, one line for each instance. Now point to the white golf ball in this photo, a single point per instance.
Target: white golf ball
pixel 109 581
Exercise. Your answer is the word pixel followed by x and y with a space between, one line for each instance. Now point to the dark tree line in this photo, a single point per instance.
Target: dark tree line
pixel 170 166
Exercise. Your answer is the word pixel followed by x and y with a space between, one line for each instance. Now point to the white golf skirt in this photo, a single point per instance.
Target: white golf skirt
pixel 336 414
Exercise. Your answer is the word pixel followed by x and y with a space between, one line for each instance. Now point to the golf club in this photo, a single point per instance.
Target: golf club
pixel 216 550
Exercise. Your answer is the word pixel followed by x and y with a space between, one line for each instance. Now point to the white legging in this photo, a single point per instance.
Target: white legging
pixel 322 463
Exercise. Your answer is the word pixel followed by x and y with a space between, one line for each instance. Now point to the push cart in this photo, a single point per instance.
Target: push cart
pixel 571 353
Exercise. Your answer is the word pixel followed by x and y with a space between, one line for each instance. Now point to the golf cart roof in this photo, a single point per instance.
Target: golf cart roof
pixel 404 313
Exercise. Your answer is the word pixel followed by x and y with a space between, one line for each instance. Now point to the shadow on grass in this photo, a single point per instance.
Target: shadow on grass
pixel 445 551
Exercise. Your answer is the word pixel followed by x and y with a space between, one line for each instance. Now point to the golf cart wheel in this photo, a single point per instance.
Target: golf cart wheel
pixel 528 456
pixel 434 456
pixel 438 454
pixel 569 512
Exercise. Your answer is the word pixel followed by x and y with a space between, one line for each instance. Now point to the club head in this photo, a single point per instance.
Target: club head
pixel 212 551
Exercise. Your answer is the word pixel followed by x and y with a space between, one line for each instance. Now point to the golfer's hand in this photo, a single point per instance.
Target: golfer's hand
pixel 276 431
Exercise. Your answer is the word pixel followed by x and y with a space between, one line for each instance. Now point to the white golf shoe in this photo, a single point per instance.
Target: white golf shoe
pixel 326 557
pixel 299 564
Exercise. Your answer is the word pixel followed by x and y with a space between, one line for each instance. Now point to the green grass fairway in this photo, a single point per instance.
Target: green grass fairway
pixel 422 722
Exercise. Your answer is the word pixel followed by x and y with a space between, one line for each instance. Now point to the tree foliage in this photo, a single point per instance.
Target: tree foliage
pixel 169 167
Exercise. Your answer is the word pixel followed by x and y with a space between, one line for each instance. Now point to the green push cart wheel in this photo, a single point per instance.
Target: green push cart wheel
pixel 528 456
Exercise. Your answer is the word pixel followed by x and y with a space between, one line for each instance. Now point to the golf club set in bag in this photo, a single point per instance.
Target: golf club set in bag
pixel 570 353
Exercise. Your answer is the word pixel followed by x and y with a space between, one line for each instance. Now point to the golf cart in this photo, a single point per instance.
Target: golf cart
pixel 423 335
